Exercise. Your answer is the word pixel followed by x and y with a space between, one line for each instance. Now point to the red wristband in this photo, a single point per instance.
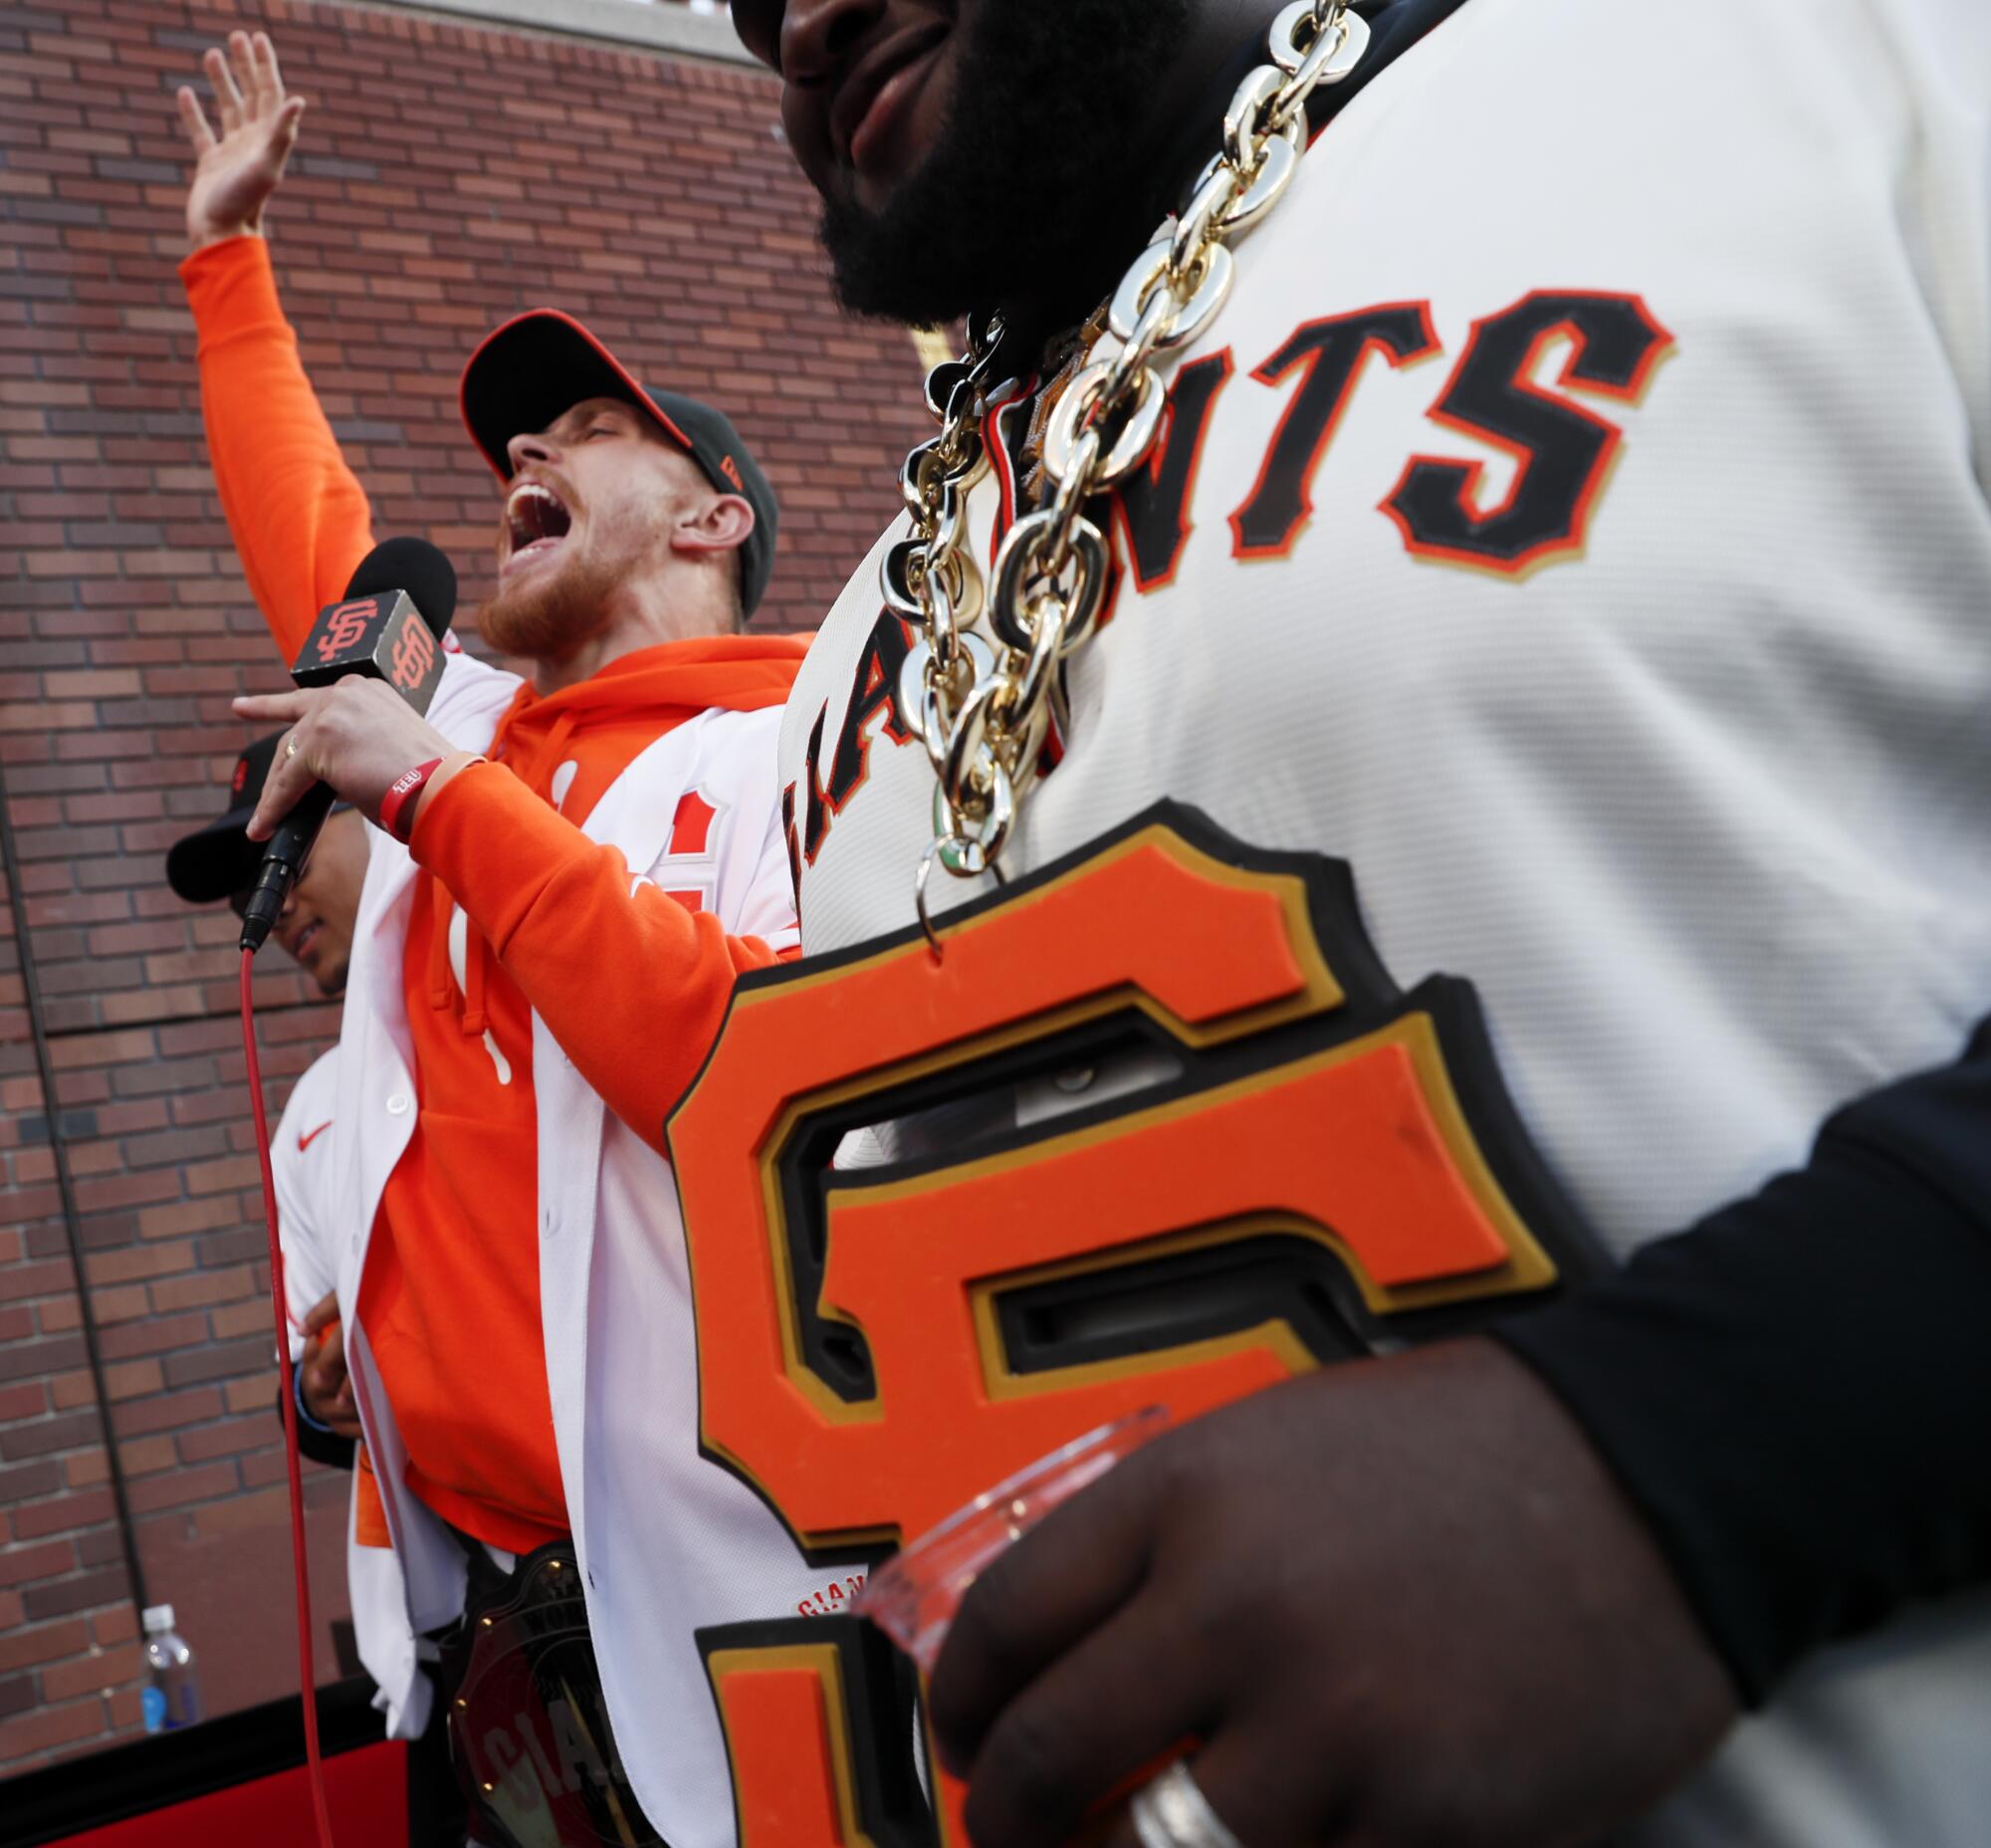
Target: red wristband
pixel 402 794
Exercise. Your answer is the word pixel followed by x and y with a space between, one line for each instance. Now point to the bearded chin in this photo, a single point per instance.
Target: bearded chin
pixel 550 614
pixel 1031 183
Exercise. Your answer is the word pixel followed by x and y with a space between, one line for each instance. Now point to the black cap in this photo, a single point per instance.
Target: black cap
pixel 539 365
pixel 218 860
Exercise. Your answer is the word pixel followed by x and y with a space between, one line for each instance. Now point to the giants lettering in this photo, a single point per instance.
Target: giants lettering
pixel 1330 354
pixel 873 697
pixel 788 839
pixel 1323 1165
pixel 1154 501
pixel 1562 452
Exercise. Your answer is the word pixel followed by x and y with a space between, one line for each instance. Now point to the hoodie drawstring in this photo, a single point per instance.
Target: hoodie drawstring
pixel 472 981
pixel 439 976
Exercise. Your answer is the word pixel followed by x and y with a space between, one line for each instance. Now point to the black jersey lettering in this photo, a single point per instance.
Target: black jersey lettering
pixel 1328 354
pixel 1154 501
pixel 1562 452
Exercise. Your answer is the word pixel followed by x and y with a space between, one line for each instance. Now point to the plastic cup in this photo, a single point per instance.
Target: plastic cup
pixel 914 1595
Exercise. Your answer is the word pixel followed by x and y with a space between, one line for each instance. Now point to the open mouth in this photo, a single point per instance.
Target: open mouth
pixel 305 939
pixel 537 520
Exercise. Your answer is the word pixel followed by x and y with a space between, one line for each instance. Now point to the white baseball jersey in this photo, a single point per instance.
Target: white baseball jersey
pixel 320 1232
pixel 1577 523
pixel 308 1215
pixel 666 1539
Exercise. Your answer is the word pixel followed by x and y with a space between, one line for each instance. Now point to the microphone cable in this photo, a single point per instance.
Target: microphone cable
pixel 374 631
pixel 314 1758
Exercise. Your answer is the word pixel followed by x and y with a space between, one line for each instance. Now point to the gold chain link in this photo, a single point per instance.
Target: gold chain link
pixel 985 709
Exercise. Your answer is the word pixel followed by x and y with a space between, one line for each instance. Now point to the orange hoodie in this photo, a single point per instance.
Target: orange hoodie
pixel 450 1294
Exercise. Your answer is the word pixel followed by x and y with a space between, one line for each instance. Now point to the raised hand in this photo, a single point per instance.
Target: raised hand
pixel 234 173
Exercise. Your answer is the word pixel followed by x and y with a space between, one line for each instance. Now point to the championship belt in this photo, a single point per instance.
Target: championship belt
pixel 1327 1167
pixel 528 1731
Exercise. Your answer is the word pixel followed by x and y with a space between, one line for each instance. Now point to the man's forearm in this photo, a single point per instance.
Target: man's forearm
pixel 1797 1392
pixel 297 513
pixel 567 920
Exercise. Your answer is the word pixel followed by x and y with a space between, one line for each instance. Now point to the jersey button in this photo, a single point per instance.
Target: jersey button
pixel 400 1104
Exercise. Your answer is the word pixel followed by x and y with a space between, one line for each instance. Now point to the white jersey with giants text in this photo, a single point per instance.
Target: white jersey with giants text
pixel 1577 523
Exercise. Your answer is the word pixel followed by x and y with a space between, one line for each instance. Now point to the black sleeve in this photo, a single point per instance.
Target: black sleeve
pixel 1797 1392
pixel 317 1443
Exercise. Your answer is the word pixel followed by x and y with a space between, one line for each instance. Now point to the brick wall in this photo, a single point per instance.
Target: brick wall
pixel 651 197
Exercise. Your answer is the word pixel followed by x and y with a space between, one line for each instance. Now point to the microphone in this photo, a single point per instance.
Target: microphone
pixel 388 626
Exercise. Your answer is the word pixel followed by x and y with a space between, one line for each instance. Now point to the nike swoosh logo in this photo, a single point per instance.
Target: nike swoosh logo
pixel 309 1136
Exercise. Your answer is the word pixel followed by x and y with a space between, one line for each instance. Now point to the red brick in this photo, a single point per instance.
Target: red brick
pixel 153 1335
pixel 203 1287
pixel 20 1281
pixel 116 1625
pixel 235 1435
pixel 44 1437
pixel 20 1565
pixel 169 1412
pixel 50 1726
pixel 63 1515
pixel 185 1487
pixel 68 1391
pixel 58 1597
pixel 131 1378
pixel 124 1267
pixel 141 1456
pixel 101 1673
pixel 85 1468
pixel 126 1710
pixel 115 1306
pixel 46 1641
pixel 266 1507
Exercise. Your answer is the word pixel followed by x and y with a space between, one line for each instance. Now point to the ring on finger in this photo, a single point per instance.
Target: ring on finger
pixel 290 745
pixel 1171 1812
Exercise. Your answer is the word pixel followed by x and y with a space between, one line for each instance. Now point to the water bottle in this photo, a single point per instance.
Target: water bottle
pixel 173 1689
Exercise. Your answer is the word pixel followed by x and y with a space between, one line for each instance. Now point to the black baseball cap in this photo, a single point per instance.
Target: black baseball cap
pixel 218 860
pixel 539 365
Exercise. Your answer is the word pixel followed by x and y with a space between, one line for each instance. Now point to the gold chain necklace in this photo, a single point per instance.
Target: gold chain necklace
pixel 986 706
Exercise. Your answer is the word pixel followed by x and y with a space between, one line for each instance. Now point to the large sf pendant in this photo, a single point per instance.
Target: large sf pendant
pixel 1326 1166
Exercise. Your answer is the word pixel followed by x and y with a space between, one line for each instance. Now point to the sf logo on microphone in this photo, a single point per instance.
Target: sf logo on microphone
pixel 344 626
pixel 413 656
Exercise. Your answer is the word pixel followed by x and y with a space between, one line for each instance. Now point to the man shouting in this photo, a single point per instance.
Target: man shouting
pixel 569 873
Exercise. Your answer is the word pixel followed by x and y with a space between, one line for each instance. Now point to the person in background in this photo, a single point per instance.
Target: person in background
pixel 217 862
